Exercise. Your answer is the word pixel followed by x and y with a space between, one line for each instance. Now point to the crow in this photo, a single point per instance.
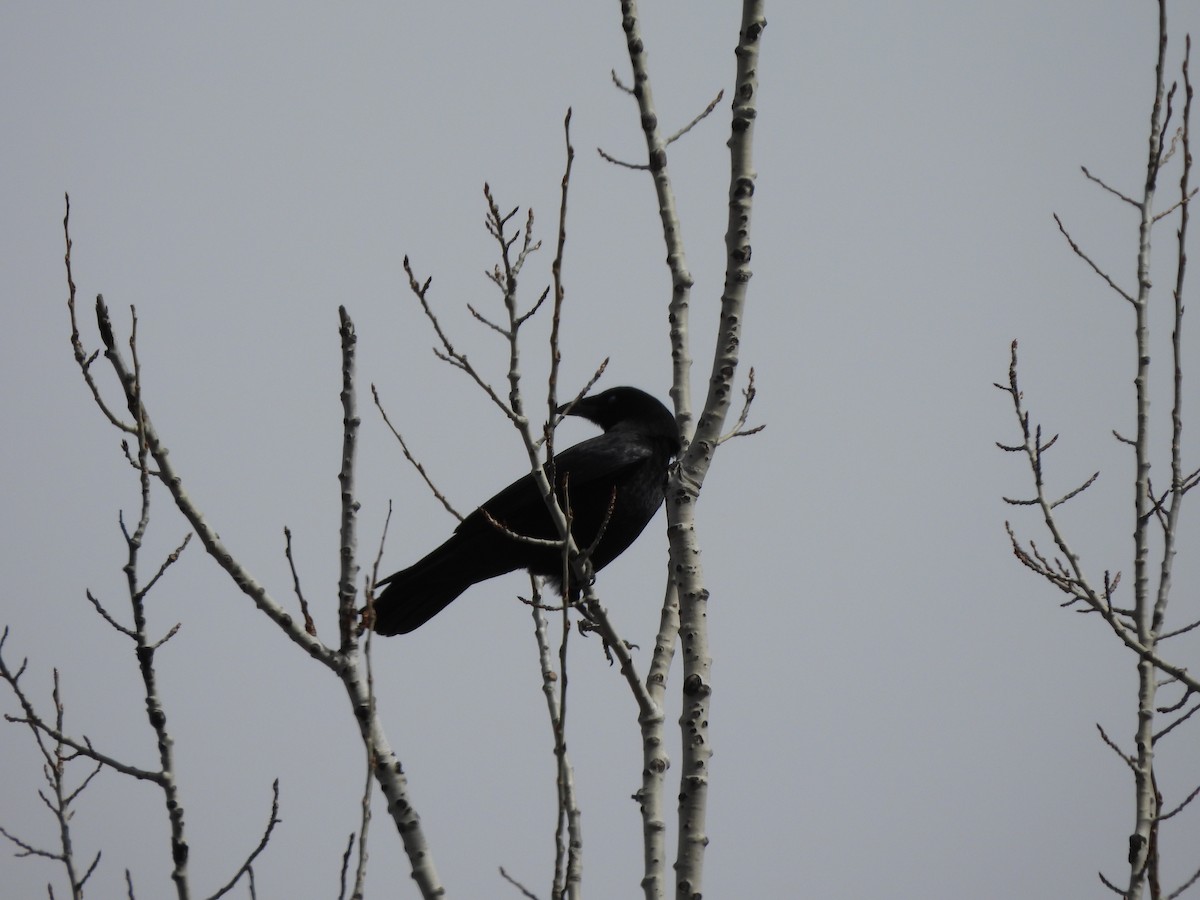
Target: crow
pixel 615 480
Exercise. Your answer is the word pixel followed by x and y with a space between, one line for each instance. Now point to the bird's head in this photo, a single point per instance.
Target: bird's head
pixel 626 408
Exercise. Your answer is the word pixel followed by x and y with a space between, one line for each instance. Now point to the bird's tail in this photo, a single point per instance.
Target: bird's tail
pixel 411 600
pixel 415 595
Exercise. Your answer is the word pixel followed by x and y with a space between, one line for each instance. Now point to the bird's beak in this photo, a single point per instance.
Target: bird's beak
pixel 570 409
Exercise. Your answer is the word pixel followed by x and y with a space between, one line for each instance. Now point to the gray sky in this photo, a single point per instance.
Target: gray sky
pixel 899 708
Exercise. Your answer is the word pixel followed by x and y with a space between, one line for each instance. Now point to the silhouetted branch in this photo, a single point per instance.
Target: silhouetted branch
pixel 1178 892
pixel 61 798
pixel 246 867
pixel 309 625
pixel 525 892
pixel 696 121
pixel 1091 263
pixel 1125 757
pixel 748 395
pixel 413 460
pixel 82 357
pixel 1111 190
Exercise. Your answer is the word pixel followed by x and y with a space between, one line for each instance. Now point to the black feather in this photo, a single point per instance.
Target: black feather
pixel 624 469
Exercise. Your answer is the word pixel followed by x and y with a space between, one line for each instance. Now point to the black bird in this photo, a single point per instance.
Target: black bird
pixel 625 468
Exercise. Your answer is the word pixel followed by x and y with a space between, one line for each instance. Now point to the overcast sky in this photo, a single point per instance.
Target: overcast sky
pixel 899 708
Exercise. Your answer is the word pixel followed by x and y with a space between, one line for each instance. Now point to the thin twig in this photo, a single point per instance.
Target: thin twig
pixel 413 460
pixel 309 625
pixel 637 167
pixel 1111 190
pixel 520 887
pixel 696 121
pixel 1180 808
pixel 245 868
pixel 1087 259
pixel 739 429
pixel 82 357
pixel 1177 722
pixel 1125 757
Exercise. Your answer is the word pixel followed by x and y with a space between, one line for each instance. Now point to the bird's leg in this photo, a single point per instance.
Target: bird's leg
pixel 572 598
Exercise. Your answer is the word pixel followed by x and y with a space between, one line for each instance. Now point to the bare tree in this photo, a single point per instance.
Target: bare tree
pixel 1137 617
pixel 702 429
pixel 684 611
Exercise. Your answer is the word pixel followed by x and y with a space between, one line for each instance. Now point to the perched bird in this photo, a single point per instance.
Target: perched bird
pixel 623 470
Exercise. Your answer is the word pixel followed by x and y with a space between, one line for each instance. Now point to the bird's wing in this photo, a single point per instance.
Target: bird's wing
pixel 603 458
